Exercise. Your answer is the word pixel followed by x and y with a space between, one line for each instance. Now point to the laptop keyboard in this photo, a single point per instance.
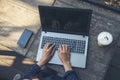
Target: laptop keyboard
pixel 76 46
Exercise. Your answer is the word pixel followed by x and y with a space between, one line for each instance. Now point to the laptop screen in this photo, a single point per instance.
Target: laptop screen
pixel 66 20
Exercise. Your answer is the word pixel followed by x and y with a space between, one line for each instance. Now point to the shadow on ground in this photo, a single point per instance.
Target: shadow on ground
pixel 12 63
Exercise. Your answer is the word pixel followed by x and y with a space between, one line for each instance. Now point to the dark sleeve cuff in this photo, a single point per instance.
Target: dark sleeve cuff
pixel 33 71
pixel 35 68
pixel 69 72
pixel 71 75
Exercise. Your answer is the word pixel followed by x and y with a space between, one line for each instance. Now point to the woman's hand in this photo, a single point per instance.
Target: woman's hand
pixel 47 53
pixel 64 55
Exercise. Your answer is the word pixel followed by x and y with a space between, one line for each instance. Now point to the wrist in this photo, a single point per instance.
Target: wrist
pixel 67 66
pixel 40 63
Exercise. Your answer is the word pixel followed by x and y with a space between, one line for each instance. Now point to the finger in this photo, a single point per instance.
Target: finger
pixel 63 46
pixel 48 45
pixel 66 47
pixel 60 48
pixel 53 51
pixel 45 46
pixel 51 46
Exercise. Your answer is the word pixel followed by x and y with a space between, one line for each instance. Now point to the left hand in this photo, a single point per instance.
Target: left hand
pixel 47 53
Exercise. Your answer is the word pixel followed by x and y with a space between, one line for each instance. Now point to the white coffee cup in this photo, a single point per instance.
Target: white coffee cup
pixel 104 39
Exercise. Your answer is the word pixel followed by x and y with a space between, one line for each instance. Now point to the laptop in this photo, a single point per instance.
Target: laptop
pixel 65 26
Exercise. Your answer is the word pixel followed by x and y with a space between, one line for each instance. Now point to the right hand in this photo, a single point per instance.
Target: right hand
pixel 64 55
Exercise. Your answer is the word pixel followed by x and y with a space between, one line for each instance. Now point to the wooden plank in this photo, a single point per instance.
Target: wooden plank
pixel 4 48
pixel 19 14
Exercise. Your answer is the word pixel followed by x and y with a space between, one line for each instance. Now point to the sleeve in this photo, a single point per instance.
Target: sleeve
pixel 70 75
pixel 32 72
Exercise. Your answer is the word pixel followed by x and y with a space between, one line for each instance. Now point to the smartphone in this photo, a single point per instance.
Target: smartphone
pixel 24 38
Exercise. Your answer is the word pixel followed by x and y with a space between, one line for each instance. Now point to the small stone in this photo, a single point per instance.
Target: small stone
pixel 109 24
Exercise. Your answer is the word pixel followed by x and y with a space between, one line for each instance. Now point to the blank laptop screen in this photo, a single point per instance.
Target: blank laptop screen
pixel 67 20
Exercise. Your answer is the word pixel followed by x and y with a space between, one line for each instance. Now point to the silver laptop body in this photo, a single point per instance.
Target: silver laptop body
pixel 61 26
